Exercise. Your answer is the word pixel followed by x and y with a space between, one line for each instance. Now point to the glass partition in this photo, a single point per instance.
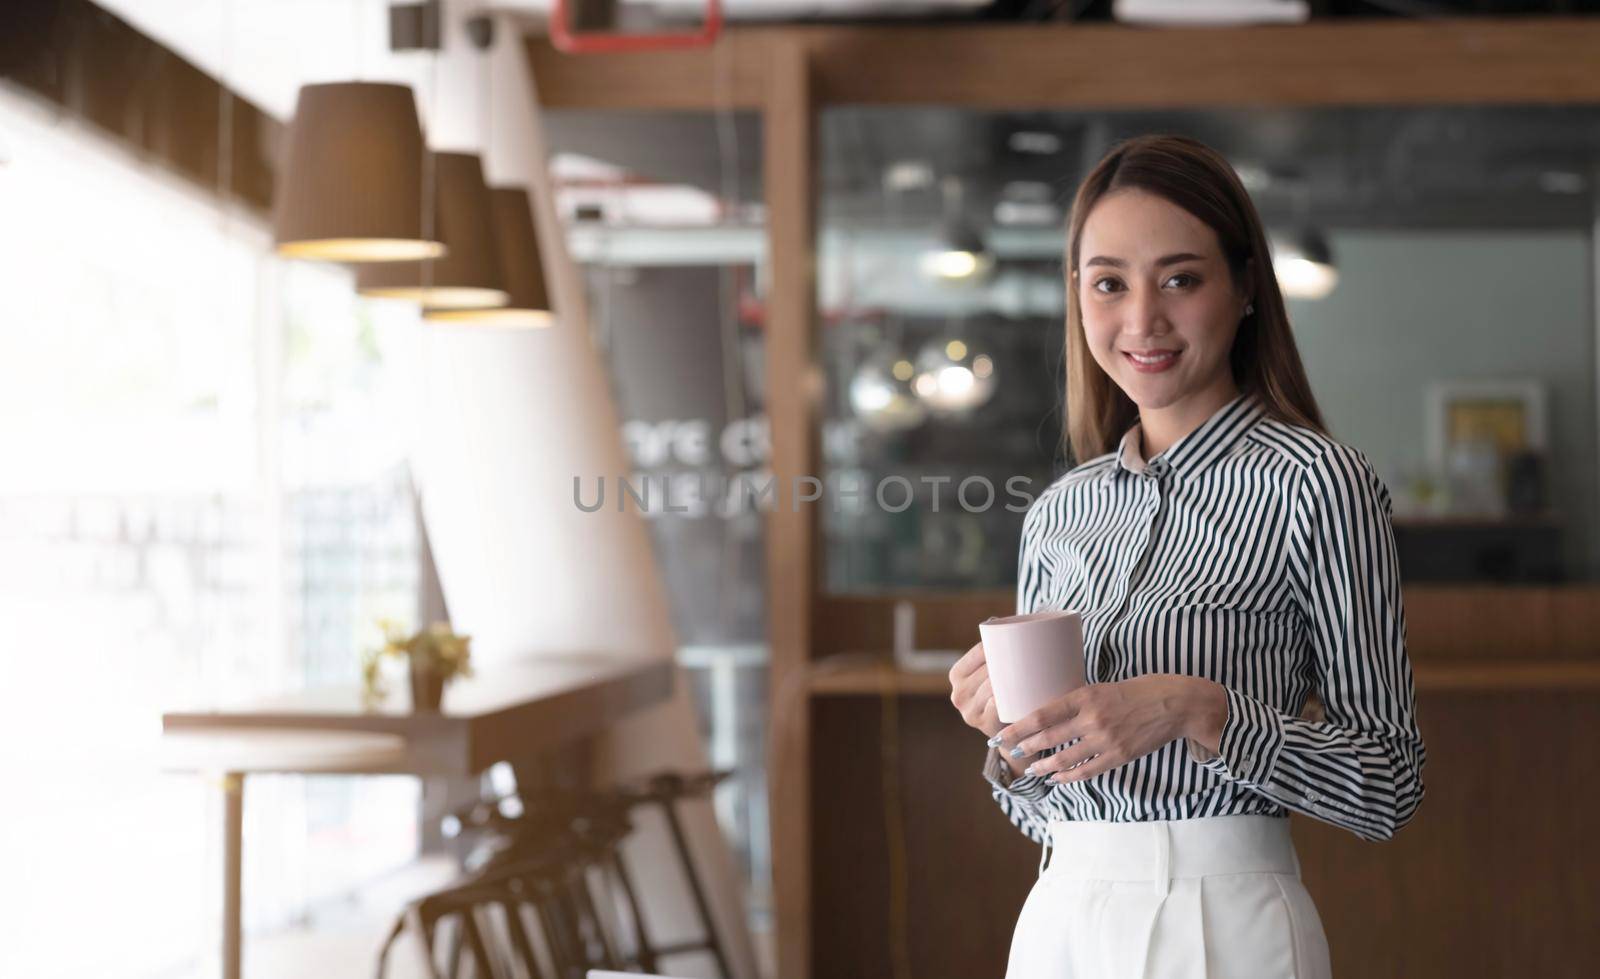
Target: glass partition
pixel 662 210
pixel 1439 264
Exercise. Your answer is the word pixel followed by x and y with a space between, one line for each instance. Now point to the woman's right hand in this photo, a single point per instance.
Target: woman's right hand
pixel 970 692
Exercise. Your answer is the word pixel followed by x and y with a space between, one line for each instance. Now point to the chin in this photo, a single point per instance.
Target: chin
pixel 1163 394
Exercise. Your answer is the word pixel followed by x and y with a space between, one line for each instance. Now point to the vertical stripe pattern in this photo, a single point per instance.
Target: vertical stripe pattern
pixel 1257 554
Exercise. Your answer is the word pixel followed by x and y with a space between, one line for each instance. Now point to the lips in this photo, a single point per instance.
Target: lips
pixel 1152 361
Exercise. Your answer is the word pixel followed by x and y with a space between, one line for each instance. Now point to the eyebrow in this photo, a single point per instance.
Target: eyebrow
pixel 1162 261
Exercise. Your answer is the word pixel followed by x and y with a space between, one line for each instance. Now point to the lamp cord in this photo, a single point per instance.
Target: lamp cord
pixel 428 174
pixel 485 98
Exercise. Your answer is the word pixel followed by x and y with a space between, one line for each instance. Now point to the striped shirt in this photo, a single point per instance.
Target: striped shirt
pixel 1257 554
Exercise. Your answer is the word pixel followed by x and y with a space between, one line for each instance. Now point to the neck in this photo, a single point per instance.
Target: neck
pixel 1160 428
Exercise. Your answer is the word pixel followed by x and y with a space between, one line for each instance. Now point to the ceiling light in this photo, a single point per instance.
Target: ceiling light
pixel 1034 142
pixel 1013 213
pixel 1305 266
pixel 956 264
pixel 521 268
pixel 952 378
pixel 352 177
pixel 468 276
pixel 961 254
pixel 907 175
pixel 882 393
pixel 1254 178
pixel 1561 182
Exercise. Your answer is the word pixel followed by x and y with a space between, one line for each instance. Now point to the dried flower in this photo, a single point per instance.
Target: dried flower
pixel 435 649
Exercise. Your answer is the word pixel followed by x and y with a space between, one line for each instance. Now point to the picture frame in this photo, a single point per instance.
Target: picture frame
pixel 1511 412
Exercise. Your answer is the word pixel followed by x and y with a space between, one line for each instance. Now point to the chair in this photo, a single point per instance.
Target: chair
pixel 537 867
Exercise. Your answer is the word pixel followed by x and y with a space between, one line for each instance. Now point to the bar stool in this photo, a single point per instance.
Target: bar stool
pixel 540 861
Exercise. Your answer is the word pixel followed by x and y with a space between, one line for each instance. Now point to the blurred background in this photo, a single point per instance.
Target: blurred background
pixel 818 238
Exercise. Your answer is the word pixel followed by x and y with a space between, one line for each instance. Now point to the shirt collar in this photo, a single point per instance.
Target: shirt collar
pixel 1197 451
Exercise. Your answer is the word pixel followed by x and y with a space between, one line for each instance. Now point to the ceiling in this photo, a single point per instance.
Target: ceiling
pixel 1525 166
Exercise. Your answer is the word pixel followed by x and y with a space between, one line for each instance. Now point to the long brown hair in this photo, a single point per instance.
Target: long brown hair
pixel 1264 358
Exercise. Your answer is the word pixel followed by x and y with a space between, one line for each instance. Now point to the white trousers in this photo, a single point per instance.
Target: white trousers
pixel 1214 898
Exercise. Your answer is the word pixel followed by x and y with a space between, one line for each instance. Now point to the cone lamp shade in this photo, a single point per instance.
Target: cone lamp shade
pixel 468 276
pixel 350 189
pixel 521 270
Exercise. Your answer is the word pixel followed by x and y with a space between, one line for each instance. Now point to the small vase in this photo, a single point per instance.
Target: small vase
pixel 427 689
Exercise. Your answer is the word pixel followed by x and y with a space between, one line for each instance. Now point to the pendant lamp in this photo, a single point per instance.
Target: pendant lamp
pixel 1305 266
pixel 468 276
pixel 521 271
pixel 350 188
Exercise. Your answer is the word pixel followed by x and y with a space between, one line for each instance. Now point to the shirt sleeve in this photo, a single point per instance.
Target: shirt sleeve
pixel 1020 796
pixel 1360 767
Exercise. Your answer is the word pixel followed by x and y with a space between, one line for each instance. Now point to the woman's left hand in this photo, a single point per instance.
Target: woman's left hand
pixel 1115 723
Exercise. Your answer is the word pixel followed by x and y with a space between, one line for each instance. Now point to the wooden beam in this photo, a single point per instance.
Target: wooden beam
pixel 1465 61
pixel 733 74
pixel 789 137
pixel 142 96
pixel 1005 66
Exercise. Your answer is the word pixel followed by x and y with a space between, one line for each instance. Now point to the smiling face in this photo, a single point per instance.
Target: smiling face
pixel 1159 307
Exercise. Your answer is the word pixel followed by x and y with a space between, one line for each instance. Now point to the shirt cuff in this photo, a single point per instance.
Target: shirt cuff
pixel 1252 739
pixel 1030 788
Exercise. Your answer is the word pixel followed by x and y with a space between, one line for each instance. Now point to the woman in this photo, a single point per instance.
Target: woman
pixel 1229 560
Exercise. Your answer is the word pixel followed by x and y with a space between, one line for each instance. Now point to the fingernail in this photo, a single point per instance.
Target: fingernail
pixel 1017 752
pixel 1054 779
pixel 1028 771
pixel 994 742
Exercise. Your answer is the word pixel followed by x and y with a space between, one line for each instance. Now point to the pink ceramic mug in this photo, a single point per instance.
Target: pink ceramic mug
pixel 1032 660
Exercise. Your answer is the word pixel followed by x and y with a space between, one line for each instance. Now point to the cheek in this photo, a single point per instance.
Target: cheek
pixel 1099 327
pixel 1206 320
pixel 1101 342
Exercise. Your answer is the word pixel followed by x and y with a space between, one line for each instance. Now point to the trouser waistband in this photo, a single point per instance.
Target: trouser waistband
pixel 1166 850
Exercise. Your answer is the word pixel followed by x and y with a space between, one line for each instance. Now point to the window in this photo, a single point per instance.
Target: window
pixel 203 497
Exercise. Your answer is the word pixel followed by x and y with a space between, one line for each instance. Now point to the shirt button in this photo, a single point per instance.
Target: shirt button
pixel 1158 468
pixel 1312 796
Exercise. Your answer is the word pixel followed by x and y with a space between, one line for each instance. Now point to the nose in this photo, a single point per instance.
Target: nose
pixel 1146 314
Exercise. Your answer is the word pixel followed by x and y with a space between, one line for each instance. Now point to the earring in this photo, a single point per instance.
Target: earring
pixel 1249 308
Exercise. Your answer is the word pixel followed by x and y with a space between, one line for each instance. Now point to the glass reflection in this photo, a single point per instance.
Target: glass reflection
pixel 1438 264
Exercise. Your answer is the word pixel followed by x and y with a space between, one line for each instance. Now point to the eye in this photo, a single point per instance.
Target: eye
pixel 1108 284
pixel 1183 280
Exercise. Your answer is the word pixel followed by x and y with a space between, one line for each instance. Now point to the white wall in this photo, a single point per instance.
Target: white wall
pixel 1412 307
pixel 504 423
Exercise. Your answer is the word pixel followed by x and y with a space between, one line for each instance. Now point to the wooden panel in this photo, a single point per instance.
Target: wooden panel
pixel 949 905
pixel 1499 873
pixel 944 620
pixel 789 149
pixel 1474 61
pixel 1066 66
pixel 141 95
pixel 1494 877
pixel 1552 623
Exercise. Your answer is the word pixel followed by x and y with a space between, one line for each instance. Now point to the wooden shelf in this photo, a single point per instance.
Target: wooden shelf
pixel 860 675
pixel 1509 521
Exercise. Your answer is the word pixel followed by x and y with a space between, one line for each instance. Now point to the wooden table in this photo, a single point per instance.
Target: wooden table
pixel 511 712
